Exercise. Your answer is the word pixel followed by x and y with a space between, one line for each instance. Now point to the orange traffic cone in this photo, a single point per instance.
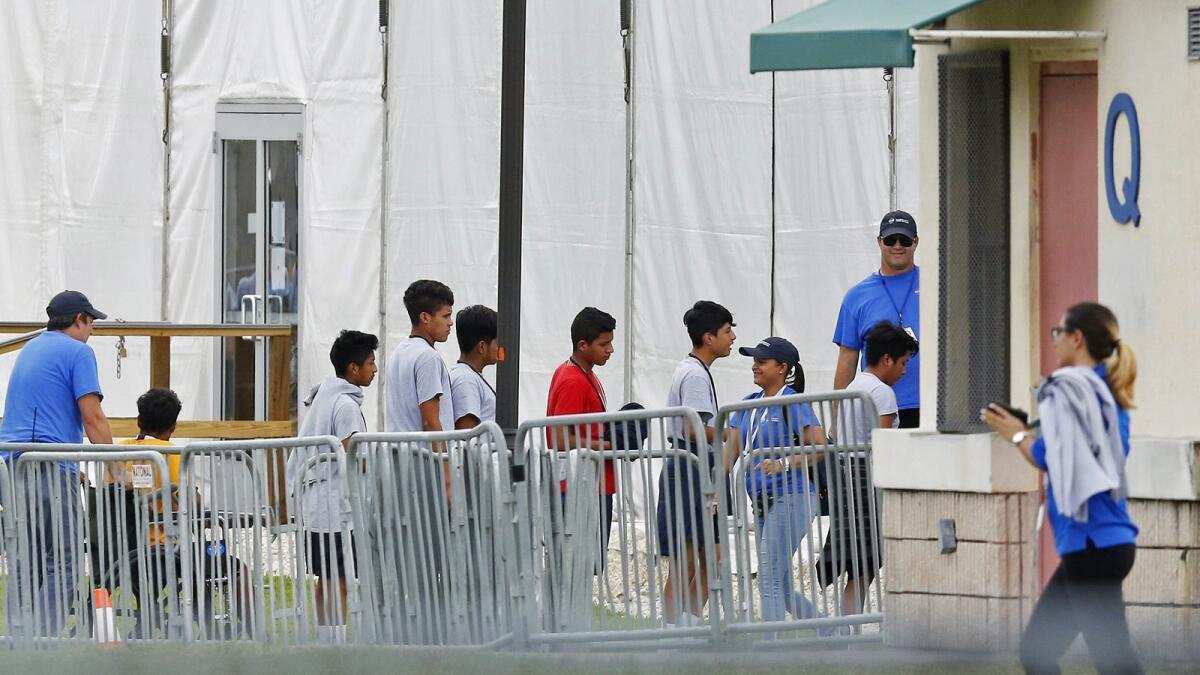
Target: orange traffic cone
pixel 105 619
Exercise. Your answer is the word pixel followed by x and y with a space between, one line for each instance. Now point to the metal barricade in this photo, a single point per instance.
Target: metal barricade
pixel 85 558
pixel 434 533
pixel 806 550
pixel 239 543
pixel 597 560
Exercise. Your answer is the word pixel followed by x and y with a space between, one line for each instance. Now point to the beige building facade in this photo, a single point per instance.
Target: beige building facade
pixel 1065 243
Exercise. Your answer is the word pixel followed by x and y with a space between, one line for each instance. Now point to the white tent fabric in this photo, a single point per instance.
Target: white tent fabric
pixel 326 56
pixel 444 163
pixel 81 108
pixel 81 168
pixel 702 172
pixel 573 254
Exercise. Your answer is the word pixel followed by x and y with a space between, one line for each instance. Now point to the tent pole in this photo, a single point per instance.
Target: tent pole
pixel 512 142
pixel 889 76
pixel 168 20
pixel 382 354
pixel 627 10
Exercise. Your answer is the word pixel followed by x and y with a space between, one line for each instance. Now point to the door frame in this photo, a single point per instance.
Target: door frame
pixel 261 121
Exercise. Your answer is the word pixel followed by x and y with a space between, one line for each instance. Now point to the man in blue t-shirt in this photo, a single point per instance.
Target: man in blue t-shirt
pixel 892 294
pixel 54 397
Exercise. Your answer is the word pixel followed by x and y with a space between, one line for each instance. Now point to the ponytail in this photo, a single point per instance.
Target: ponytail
pixel 1103 338
pixel 1122 371
pixel 795 379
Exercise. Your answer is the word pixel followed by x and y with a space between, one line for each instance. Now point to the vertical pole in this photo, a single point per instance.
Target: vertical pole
pixel 512 142
pixel 889 76
pixel 627 46
pixel 381 356
pixel 168 21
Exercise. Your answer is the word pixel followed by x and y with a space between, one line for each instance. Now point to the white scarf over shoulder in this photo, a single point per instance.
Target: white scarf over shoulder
pixel 1084 453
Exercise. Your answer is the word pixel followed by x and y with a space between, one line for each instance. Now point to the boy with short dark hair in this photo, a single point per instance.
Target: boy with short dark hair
pixel 710 328
pixel 888 350
pixel 473 397
pixel 334 409
pixel 418 391
pixel 575 389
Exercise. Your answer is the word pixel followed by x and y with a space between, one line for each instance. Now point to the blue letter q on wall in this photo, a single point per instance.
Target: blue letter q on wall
pixel 1124 210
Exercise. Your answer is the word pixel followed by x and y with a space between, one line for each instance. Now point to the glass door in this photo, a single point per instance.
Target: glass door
pixel 258 148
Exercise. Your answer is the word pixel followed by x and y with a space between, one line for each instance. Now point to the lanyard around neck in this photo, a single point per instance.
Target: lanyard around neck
pixel 480 376
pixel 903 299
pixel 594 383
pixel 712 385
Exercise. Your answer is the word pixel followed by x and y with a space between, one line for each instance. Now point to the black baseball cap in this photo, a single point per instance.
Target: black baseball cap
pixel 775 348
pixel 898 222
pixel 70 303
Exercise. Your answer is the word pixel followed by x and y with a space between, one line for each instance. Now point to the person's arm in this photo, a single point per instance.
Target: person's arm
pixel 431 421
pixel 95 422
pixel 1006 425
pixel 467 421
pixel 885 421
pixel 847 365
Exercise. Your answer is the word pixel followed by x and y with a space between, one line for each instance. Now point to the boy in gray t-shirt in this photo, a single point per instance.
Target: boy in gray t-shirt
pixel 474 398
pixel 681 508
pixel 418 384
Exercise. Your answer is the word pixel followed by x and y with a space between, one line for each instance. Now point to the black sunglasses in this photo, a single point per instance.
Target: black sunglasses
pixel 891 240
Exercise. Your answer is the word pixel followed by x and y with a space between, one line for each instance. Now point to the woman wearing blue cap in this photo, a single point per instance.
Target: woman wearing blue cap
pixel 782 495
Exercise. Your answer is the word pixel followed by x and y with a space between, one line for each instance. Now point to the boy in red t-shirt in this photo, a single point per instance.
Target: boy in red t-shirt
pixel 575 390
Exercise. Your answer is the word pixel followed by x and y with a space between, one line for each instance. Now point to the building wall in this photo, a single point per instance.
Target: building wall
pixel 1143 270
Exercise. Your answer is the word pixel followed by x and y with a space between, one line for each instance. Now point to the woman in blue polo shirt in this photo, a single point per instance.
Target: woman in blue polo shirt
pixel 779 487
pixel 1084 443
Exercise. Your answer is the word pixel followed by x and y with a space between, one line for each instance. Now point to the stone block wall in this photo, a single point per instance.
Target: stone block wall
pixel 979 597
pixel 974 599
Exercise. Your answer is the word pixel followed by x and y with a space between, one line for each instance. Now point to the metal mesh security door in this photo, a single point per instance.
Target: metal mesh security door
pixel 973 315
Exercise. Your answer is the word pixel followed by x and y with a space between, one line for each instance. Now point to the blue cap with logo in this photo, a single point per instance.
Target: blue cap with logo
pixel 70 303
pixel 898 222
pixel 775 348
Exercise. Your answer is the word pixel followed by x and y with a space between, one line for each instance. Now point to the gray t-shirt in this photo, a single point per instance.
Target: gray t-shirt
pixel 852 425
pixel 692 386
pixel 416 374
pixel 472 394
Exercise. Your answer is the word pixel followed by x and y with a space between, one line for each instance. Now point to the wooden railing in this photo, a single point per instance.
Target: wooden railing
pixel 279 390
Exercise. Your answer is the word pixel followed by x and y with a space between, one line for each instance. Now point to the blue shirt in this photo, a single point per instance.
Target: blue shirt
pixel 52 373
pixel 771 428
pixel 1108 522
pixel 878 298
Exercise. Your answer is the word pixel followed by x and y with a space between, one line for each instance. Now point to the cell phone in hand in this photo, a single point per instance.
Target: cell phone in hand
pixel 1016 412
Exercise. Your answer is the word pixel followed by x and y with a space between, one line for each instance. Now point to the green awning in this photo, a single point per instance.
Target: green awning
pixel 847 34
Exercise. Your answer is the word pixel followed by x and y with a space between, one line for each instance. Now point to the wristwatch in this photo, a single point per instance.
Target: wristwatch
pixel 1020 436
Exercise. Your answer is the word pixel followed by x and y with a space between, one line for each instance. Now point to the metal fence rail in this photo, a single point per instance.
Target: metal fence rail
pixel 83 560
pixel 624 530
pixel 594 550
pixel 434 528
pixel 806 552
pixel 239 547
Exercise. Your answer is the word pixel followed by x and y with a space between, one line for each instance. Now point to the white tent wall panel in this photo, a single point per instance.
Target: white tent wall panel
pixel 573 252
pixel 80 121
pixel 81 193
pixel 831 191
pixel 444 155
pixel 702 185
pixel 326 56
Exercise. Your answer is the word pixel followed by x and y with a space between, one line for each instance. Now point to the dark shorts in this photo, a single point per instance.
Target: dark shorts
pixel 682 508
pixel 853 545
pixel 325 556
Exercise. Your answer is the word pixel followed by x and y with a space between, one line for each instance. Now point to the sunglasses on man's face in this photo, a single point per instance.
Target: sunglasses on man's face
pixel 1057 331
pixel 892 239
